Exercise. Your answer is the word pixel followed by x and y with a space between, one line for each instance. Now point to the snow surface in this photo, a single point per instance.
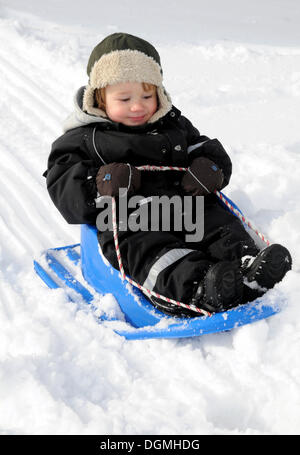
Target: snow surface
pixel 234 69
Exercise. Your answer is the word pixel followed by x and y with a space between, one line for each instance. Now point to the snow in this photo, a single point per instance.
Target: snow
pixel 234 69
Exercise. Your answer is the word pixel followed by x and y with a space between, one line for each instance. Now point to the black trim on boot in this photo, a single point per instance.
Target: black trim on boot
pixel 269 267
pixel 171 309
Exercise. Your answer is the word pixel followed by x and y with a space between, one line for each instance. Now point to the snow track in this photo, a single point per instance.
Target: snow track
pixel 60 371
pixel 31 120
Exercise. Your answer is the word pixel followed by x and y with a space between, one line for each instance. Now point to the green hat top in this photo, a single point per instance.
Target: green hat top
pixel 118 42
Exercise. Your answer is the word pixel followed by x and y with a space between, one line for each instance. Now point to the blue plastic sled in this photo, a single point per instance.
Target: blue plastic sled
pixel 141 320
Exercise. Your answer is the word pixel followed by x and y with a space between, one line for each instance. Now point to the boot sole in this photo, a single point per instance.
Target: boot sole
pixel 270 266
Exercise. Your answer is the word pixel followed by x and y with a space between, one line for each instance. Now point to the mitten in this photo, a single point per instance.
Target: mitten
pixel 111 177
pixel 202 177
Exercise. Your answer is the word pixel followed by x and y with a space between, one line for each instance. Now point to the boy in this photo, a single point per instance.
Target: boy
pixel 123 119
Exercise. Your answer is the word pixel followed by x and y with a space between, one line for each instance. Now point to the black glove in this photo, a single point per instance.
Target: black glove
pixel 111 177
pixel 202 177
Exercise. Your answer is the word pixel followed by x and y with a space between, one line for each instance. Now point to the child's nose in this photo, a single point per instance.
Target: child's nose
pixel 137 106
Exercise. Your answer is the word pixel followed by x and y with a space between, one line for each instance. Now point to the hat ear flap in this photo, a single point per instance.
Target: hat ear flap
pixel 88 103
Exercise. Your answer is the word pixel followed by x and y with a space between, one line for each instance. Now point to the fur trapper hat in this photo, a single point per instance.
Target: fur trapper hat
pixel 121 57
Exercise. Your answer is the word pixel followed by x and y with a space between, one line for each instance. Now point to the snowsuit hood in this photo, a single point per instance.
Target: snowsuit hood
pixel 121 57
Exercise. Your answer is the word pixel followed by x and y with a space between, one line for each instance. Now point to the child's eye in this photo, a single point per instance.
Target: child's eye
pixel 147 97
pixel 125 99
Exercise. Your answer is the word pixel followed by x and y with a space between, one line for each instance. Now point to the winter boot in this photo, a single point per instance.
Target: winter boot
pixel 221 288
pixel 268 267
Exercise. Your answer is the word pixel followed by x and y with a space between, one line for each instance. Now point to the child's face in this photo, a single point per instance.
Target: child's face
pixel 129 103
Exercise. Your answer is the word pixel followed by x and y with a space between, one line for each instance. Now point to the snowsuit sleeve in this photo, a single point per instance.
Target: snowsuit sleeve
pixel 71 178
pixel 200 145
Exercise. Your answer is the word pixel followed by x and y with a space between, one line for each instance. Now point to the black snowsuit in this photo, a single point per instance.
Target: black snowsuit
pixel 161 261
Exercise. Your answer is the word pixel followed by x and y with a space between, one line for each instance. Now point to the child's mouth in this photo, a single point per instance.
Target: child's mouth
pixel 137 119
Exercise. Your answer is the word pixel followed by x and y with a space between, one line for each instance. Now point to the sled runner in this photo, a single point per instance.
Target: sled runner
pixel 83 272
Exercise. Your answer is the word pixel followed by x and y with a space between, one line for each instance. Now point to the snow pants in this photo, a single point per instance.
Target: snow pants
pixel 165 263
